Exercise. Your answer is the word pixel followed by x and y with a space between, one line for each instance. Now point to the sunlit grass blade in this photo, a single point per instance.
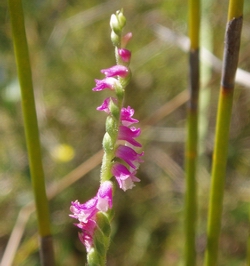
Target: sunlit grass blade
pixel 230 62
pixel 31 130
pixel 192 134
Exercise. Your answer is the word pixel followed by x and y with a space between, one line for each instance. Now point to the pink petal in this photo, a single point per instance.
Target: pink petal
pixel 126 38
pixel 107 83
pixel 117 70
pixel 126 116
pixel 124 54
pixel 105 105
pixel 131 157
pixel 128 134
pixel 124 177
pixel 104 196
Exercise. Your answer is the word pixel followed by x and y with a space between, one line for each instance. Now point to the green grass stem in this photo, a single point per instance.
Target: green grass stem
pixel 205 90
pixel 31 126
pixel 192 135
pixel 194 23
pixel 230 62
pixel 248 247
pixel 191 189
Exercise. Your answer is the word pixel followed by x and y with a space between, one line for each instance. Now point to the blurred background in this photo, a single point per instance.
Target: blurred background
pixel 69 43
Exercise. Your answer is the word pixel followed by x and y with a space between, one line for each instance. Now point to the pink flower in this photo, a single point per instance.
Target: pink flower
pixel 129 135
pixel 107 83
pixel 124 54
pixel 126 38
pixel 86 213
pixel 131 157
pixel 105 105
pixel 117 70
pixel 124 177
pixel 86 236
pixel 126 116
pixel 104 196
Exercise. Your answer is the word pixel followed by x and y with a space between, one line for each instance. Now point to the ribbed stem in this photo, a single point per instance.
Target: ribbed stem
pixel 30 124
pixel 230 62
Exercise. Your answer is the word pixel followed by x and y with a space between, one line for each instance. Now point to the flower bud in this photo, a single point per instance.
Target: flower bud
pixel 125 39
pixel 93 257
pixel 115 38
pixel 124 54
pixel 125 81
pixel 114 110
pixel 114 24
pixel 108 143
pixel 103 223
pixel 111 126
pixel 121 19
pixel 117 22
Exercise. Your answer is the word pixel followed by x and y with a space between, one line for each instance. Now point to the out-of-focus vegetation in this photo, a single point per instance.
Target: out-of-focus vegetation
pixel 69 43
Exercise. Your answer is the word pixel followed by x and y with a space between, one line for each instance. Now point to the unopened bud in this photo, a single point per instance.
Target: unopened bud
pixel 115 38
pixel 125 54
pixel 125 39
pixel 121 19
pixel 108 143
pixel 114 110
pixel 115 24
pixel 111 126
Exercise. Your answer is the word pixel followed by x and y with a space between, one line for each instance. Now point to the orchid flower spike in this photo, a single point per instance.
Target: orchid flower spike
pixel 121 159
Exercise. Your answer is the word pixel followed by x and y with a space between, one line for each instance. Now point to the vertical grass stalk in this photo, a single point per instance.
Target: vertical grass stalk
pixel 248 243
pixel 205 78
pixel 31 130
pixel 230 62
pixel 192 134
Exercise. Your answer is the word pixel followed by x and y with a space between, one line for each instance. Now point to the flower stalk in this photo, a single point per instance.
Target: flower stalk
pixel 230 62
pixel 31 131
pixel 119 142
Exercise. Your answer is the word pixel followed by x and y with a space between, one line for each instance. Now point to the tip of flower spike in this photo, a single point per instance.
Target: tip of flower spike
pixel 117 21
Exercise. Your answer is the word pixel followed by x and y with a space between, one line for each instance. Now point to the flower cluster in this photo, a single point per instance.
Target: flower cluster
pixel 119 143
pixel 124 172
pixel 86 213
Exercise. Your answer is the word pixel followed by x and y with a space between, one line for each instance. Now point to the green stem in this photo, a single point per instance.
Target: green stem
pixel 230 62
pixel 194 23
pixel 248 244
pixel 106 166
pixel 206 75
pixel 109 142
pixel 191 194
pixel 30 120
pixel 192 135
